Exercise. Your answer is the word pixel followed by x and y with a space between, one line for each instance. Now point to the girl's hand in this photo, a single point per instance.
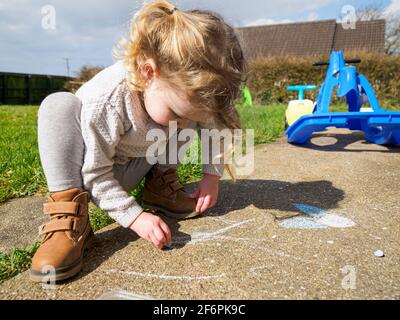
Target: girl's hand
pixel 151 228
pixel 206 192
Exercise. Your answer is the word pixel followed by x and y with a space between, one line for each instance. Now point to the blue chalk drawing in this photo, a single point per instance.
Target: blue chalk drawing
pixel 309 210
pixel 316 218
pixel 301 223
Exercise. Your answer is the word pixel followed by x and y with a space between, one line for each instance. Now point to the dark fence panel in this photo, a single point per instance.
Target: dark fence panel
pixel 20 88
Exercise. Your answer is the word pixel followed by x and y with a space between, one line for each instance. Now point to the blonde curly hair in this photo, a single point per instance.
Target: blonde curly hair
pixel 195 51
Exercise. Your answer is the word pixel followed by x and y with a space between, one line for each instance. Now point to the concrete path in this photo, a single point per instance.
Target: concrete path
pixel 19 222
pixel 305 224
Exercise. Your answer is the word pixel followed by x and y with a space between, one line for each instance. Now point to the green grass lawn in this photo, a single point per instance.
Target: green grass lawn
pixel 20 170
pixel 16 261
pixel 268 122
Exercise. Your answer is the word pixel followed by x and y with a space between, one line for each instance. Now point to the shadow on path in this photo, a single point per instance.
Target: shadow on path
pixel 341 141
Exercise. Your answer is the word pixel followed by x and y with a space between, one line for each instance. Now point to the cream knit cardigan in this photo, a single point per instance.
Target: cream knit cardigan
pixel 114 127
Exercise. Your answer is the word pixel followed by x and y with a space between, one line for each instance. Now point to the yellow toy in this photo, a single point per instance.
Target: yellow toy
pixel 300 107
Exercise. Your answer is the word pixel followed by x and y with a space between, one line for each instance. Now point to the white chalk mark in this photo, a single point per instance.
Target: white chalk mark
pixel 226 238
pixel 164 276
pixel 197 237
pixel 334 221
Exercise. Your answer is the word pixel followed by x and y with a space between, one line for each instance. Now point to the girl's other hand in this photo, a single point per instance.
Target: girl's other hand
pixel 206 192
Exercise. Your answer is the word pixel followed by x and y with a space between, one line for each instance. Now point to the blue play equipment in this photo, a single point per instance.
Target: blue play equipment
pixel 301 89
pixel 379 126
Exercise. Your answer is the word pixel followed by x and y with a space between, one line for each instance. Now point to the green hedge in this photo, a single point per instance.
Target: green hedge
pixel 269 77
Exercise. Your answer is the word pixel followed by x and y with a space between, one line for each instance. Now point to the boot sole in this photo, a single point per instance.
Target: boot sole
pixel 170 214
pixel 63 273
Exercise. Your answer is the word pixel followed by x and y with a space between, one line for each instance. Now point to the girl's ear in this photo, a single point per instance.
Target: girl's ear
pixel 148 69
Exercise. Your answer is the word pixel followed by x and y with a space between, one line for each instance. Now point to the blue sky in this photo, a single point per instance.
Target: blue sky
pixel 85 30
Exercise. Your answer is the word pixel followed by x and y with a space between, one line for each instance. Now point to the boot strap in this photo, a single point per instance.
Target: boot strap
pixel 58 225
pixel 170 178
pixel 176 186
pixel 68 207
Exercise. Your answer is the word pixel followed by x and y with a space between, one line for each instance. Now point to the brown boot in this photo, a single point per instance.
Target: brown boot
pixel 163 192
pixel 64 237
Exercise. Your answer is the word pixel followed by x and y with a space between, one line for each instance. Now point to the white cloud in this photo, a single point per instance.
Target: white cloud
pixel 393 8
pixel 263 22
pixel 312 16
pixel 259 22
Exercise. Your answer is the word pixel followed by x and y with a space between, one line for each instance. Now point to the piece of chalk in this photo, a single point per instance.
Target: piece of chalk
pixel 379 253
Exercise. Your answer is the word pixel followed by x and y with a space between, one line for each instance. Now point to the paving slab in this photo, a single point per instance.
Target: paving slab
pixel 19 222
pixel 304 225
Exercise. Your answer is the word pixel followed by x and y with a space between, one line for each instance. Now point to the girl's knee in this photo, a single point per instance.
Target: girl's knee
pixel 60 102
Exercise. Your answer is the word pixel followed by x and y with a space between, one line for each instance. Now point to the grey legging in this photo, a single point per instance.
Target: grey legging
pixel 61 146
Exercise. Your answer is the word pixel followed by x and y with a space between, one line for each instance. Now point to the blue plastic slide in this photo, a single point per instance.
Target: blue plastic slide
pixel 379 126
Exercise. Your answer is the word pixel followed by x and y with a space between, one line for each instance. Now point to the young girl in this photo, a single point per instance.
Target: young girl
pixel 183 66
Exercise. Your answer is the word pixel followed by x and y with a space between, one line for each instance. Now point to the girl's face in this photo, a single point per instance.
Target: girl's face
pixel 164 104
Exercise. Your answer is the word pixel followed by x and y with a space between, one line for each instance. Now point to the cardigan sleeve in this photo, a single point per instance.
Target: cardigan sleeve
pixel 101 130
